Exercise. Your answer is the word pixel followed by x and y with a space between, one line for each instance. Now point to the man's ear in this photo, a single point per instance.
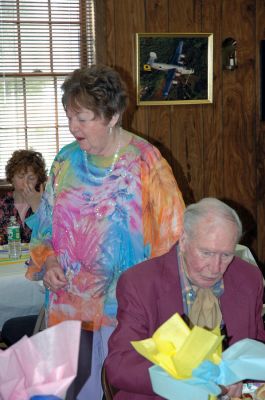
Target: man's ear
pixel 182 241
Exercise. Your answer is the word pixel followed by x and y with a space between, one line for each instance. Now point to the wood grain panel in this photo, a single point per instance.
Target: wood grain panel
pixel 260 148
pixel 239 114
pixel 212 114
pixel 186 120
pixel 217 149
pixel 157 15
pixel 111 34
pixel 101 31
pixel 158 116
pixel 129 19
pixel 185 16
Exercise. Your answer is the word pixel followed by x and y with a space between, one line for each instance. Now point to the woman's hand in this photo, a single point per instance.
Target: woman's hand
pixel 31 196
pixel 54 278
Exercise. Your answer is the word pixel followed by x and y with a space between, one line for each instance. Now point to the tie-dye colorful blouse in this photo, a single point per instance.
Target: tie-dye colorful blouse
pixel 100 219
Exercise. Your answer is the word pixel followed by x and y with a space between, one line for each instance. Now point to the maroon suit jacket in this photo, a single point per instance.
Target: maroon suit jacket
pixel 150 293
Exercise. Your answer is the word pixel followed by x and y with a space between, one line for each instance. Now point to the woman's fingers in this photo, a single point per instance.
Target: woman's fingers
pixel 54 279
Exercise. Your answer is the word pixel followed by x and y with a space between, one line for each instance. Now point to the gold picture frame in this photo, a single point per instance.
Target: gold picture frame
pixel 174 68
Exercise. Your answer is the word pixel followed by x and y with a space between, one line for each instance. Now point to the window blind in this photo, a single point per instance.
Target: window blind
pixel 41 41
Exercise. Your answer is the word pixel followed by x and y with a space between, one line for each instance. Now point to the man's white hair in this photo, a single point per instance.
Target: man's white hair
pixel 210 206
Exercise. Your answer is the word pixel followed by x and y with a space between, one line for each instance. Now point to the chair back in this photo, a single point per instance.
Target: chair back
pixel 41 321
pixel 108 389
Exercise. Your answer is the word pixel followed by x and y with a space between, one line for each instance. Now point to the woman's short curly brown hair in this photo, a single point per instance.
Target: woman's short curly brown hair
pixel 98 88
pixel 21 160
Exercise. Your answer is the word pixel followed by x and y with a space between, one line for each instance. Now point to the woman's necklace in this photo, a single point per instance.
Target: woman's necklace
pixel 94 173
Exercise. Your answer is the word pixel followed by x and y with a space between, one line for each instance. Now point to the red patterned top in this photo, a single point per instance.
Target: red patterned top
pixel 8 209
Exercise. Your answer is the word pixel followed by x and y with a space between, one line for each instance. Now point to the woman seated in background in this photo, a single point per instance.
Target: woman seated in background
pixel 25 170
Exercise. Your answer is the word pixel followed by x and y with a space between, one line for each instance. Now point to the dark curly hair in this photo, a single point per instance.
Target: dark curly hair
pixel 21 160
pixel 98 88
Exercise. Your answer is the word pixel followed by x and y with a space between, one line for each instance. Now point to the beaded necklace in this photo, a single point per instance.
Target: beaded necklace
pixel 96 175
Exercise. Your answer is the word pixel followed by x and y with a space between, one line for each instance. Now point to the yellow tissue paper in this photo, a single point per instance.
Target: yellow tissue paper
pixel 178 349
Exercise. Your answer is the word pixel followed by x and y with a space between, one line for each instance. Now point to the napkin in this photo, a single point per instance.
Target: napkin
pixel 44 364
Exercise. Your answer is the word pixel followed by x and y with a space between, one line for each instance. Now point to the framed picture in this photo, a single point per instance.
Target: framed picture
pixel 174 68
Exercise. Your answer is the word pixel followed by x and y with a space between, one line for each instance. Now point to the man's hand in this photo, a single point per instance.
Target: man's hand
pixel 234 390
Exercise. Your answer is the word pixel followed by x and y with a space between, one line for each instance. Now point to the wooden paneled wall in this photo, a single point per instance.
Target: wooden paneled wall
pixel 214 149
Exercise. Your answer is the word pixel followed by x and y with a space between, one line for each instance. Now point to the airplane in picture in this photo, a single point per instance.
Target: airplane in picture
pixel 175 68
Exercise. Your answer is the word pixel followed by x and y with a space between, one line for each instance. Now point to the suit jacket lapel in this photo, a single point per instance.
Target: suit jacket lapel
pixel 170 300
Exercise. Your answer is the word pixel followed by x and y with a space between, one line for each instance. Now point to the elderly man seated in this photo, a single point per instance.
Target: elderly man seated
pixel 201 279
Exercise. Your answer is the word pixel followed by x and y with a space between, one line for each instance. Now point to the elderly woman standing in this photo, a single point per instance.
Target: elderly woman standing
pixel 111 201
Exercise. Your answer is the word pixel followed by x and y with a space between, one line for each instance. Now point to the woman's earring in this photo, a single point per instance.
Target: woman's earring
pixel 110 130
